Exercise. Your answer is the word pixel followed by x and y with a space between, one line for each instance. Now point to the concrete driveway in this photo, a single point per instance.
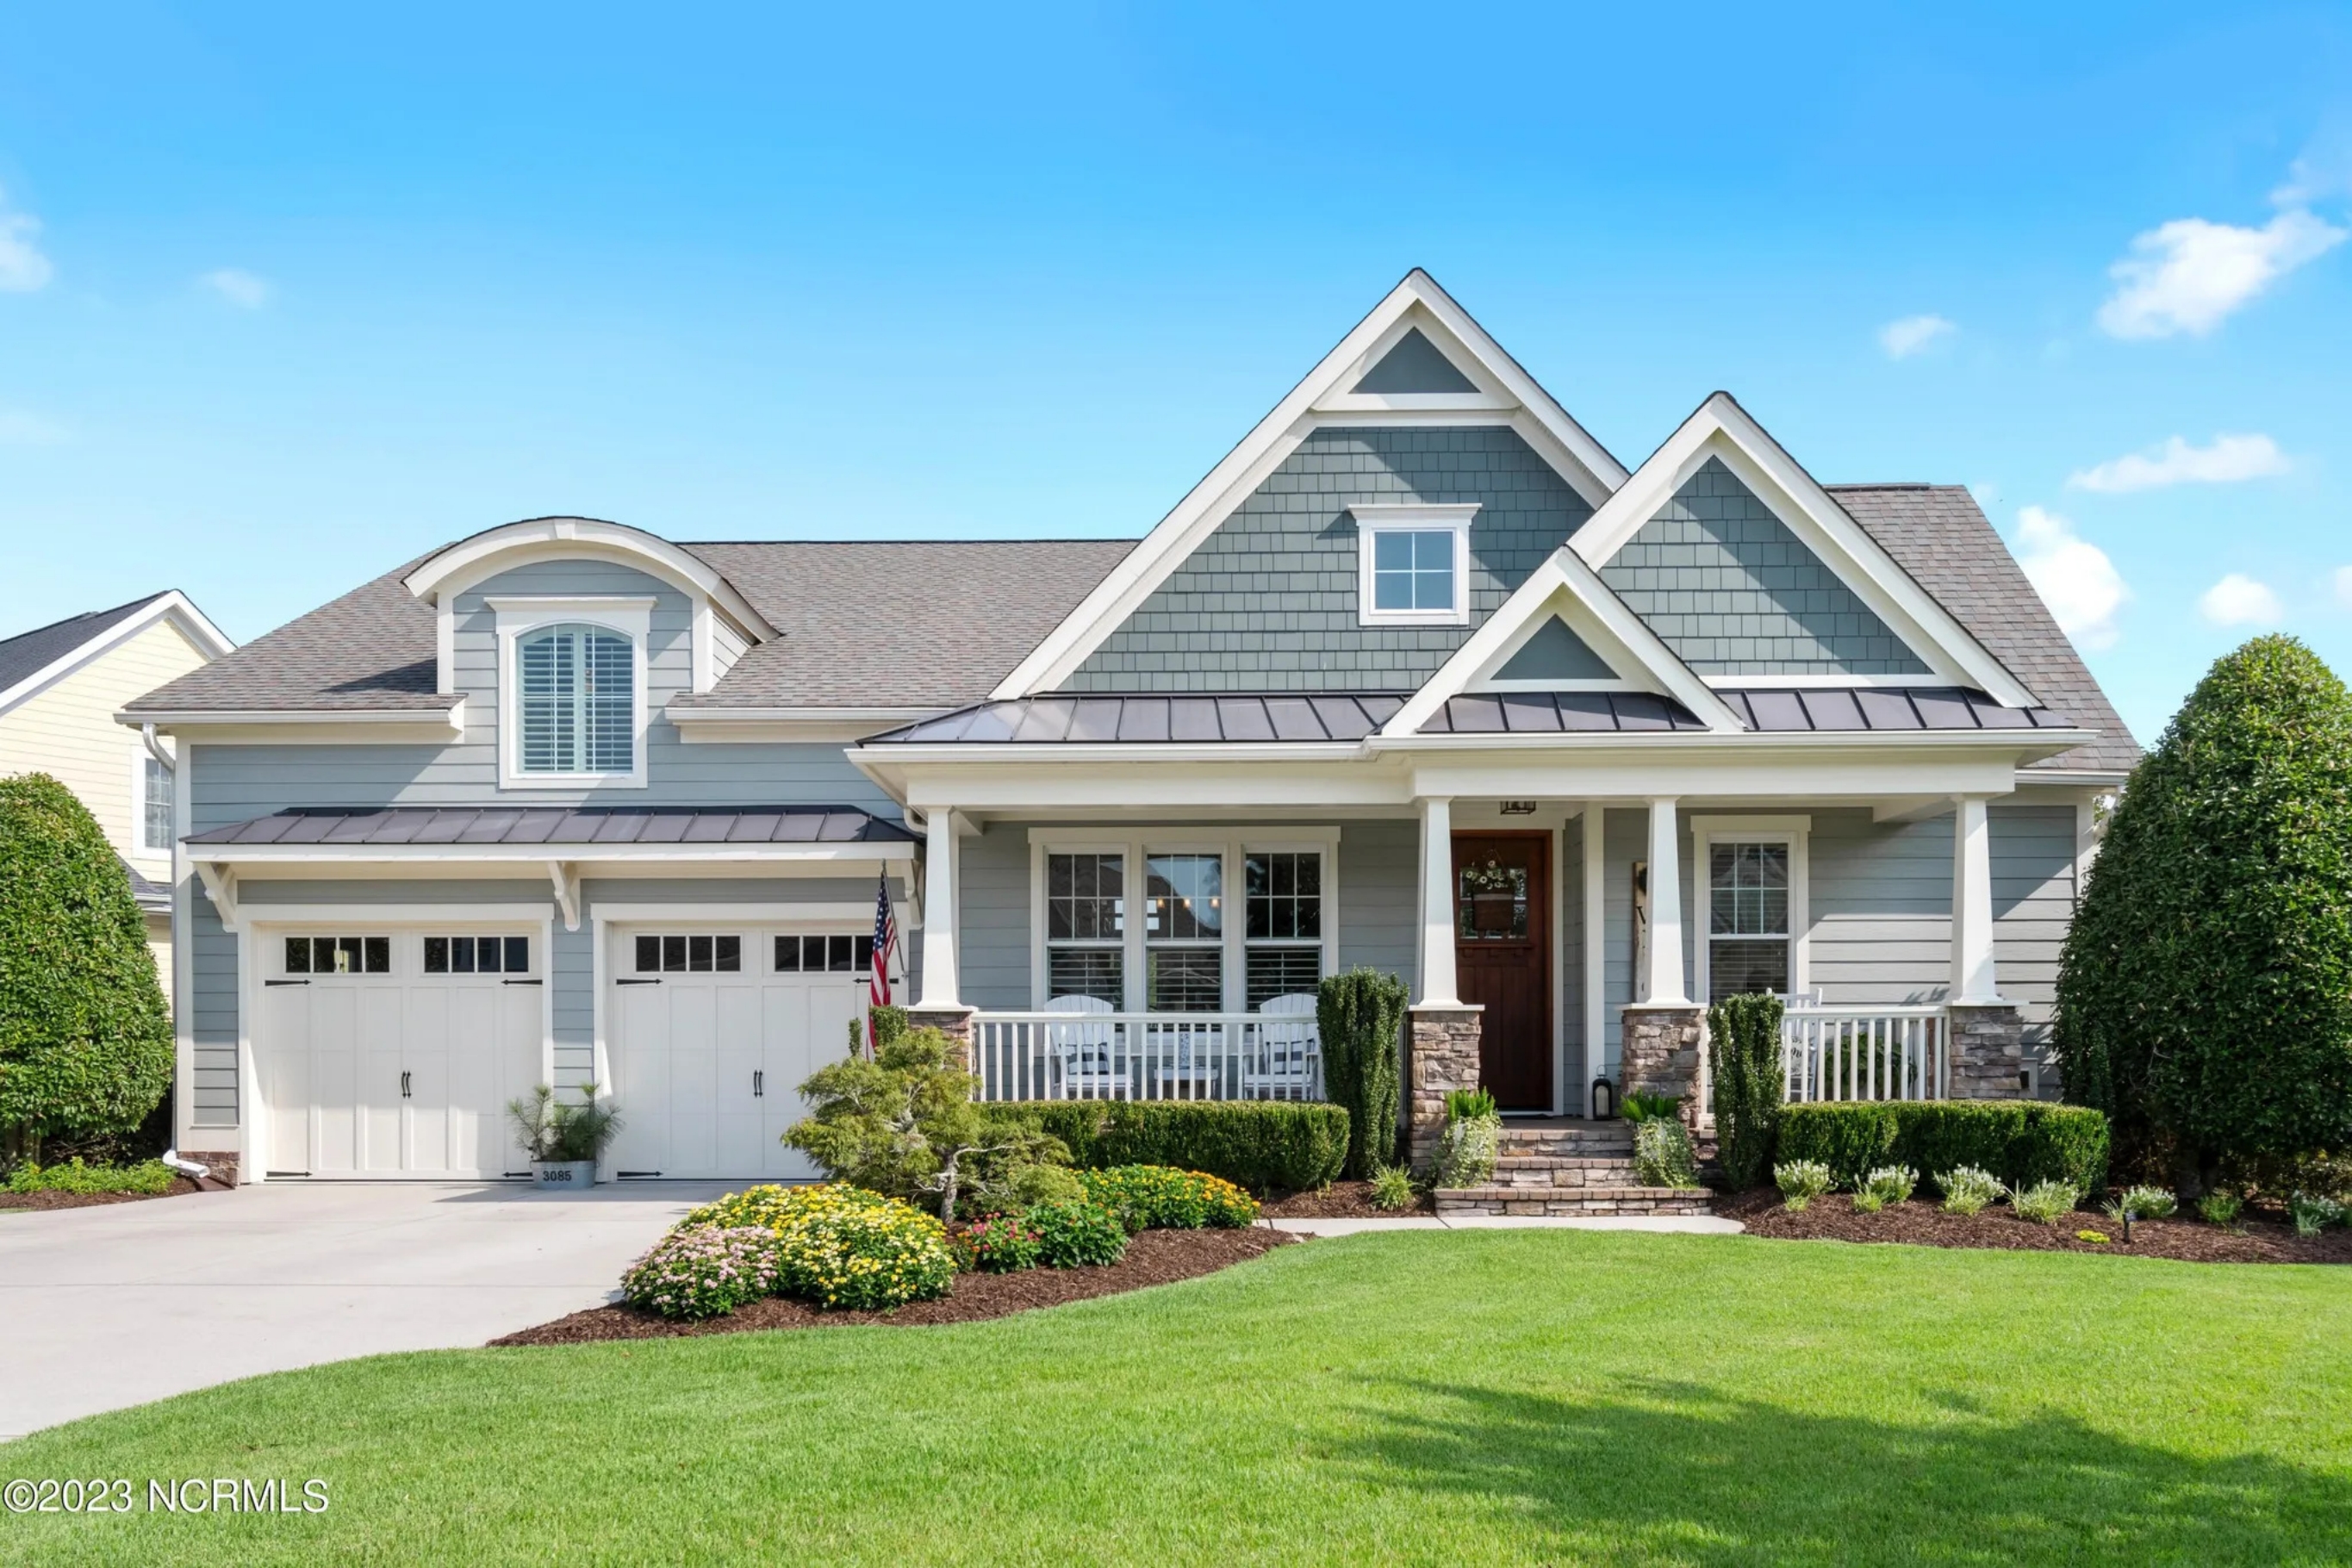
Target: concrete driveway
pixel 119 1305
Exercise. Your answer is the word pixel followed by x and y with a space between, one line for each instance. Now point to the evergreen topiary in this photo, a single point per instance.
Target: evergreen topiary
pixel 1745 1057
pixel 1359 1018
pixel 2205 991
pixel 85 1039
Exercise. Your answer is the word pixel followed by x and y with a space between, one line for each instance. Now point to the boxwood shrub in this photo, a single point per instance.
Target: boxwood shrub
pixel 2020 1141
pixel 1263 1145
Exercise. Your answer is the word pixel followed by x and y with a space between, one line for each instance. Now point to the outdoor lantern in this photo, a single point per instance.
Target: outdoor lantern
pixel 1604 1099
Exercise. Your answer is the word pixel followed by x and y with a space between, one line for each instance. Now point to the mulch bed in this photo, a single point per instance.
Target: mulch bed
pixel 1832 1219
pixel 8 1200
pixel 1342 1200
pixel 1153 1257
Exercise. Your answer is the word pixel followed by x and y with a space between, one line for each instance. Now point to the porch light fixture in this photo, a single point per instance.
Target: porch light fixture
pixel 1518 809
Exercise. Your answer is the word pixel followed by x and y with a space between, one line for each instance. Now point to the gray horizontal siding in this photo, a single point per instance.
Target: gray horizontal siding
pixel 993 926
pixel 1379 879
pixel 1269 600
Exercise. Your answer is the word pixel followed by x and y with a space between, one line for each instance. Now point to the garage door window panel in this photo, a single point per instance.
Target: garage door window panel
pixel 689 954
pixel 338 955
pixel 478 955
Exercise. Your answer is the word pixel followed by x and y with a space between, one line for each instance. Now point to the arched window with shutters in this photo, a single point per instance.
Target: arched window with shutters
pixel 577 700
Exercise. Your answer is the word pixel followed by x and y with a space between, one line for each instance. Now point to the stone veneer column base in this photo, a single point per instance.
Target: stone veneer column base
pixel 1988 1050
pixel 1659 1054
pixel 1444 1058
pixel 955 1023
pixel 222 1164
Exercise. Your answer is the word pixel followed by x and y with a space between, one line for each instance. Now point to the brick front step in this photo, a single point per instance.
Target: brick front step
pixel 1544 1171
pixel 1572 1201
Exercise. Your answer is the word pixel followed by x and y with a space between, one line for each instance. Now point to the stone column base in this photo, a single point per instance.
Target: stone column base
pixel 221 1164
pixel 1660 1054
pixel 1444 1058
pixel 955 1023
pixel 1988 1050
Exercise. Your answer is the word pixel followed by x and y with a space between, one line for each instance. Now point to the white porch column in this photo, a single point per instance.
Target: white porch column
pixel 1596 973
pixel 1972 966
pixel 938 990
pixel 1437 981
pixel 1666 985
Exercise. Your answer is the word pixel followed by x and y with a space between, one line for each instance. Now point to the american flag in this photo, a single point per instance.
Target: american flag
pixel 886 942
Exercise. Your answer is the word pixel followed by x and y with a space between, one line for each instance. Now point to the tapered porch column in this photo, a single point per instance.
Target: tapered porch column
pixel 937 1006
pixel 1444 1045
pixel 1987 1039
pixel 1666 986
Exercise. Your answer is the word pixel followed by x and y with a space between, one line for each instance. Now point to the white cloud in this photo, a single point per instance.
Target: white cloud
pixel 2229 460
pixel 2324 170
pixel 2185 276
pixel 238 287
pixel 2074 576
pixel 23 268
pixel 1913 334
pixel 21 429
pixel 2238 600
pixel 2343 586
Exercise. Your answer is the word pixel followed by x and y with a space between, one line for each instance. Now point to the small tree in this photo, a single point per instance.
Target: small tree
pixel 85 1039
pixel 1745 1059
pixel 1359 1019
pixel 903 1122
pixel 2205 990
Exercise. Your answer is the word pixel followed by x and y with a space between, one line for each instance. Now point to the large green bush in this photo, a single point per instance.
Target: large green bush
pixel 1745 1055
pixel 2022 1142
pixel 2205 991
pixel 1263 1145
pixel 1359 1019
pixel 85 1040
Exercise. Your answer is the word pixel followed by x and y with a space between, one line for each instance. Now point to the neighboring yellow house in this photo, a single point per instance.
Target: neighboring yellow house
pixel 60 689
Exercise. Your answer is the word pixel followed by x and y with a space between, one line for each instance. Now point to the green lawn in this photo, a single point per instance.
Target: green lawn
pixel 1497 1396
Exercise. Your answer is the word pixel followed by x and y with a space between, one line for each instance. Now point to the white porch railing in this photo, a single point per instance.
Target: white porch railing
pixel 1147 1056
pixel 1867 1052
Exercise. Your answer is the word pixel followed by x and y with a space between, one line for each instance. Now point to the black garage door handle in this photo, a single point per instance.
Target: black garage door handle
pixel 284 983
pixel 521 983
pixel 655 981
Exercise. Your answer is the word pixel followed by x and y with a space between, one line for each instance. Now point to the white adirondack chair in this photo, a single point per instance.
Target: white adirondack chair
pixel 1288 1055
pixel 1085 1056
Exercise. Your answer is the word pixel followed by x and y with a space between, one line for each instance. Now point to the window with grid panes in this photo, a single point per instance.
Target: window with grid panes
pixel 691 954
pixel 339 955
pixel 1184 933
pixel 575 702
pixel 1086 925
pixel 477 954
pixel 1748 919
pixel 1283 924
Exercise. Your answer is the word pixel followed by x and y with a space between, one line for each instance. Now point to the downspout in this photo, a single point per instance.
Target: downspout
pixel 188 1168
pixel 155 747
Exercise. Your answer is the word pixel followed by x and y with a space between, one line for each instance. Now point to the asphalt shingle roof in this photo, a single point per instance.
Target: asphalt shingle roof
pixel 29 653
pixel 1939 535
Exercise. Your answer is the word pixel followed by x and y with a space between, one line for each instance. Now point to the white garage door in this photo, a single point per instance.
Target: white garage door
pixel 713 1032
pixel 394 1053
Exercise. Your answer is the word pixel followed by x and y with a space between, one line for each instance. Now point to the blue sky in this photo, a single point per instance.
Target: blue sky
pixel 286 298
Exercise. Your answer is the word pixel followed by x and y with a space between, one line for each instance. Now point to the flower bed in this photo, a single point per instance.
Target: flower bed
pixel 1922 1224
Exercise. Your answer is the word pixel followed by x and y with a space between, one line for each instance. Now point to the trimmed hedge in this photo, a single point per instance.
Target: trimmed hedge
pixel 1263 1145
pixel 2022 1142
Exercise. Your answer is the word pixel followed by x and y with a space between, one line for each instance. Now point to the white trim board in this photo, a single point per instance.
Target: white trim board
pixel 1581 460
pixel 1720 428
pixel 451 571
pixel 1376 518
pixel 630 617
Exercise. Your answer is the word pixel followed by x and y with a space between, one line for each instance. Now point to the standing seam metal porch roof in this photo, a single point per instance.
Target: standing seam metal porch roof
pixel 586 825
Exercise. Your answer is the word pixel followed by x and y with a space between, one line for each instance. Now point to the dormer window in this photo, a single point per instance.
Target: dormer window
pixel 578 700
pixel 571 691
pixel 1414 565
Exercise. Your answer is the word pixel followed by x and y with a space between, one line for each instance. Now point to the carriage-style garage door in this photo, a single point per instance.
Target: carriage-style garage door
pixel 394 1053
pixel 713 1030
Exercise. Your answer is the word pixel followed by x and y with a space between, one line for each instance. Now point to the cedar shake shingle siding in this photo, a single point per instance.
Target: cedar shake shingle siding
pixel 1267 602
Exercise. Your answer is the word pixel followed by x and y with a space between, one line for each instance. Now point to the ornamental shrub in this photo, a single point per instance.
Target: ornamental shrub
pixel 1663 1155
pixel 1801 1182
pixel 1887 1185
pixel 85 1039
pixel 1263 1145
pixel 1360 1020
pixel 840 1246
pixel 1745 1055
pixel 2205 989
pixel 1078 1236
pixel 1002 1243
pixel 1467 1153
pixel 73 1176
pixel 1146 1197
pixel 2019 1142
pixel 1392 1188
pixel 2045 1202
pixel 703 1272
pixel 1971 1189
pixel 2149 1203
pixel 1640 1107
pixel 1849 1138
pixel 2220 1208
pixel 2313 1214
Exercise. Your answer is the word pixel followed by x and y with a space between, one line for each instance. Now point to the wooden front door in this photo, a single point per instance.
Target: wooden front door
pixel 1502 954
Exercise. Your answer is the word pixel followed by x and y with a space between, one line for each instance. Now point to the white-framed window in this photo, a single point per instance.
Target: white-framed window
pixel 1751 874
pixel 571 701
pixel 151 803
pixel 1413 564
pixel 1223 924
